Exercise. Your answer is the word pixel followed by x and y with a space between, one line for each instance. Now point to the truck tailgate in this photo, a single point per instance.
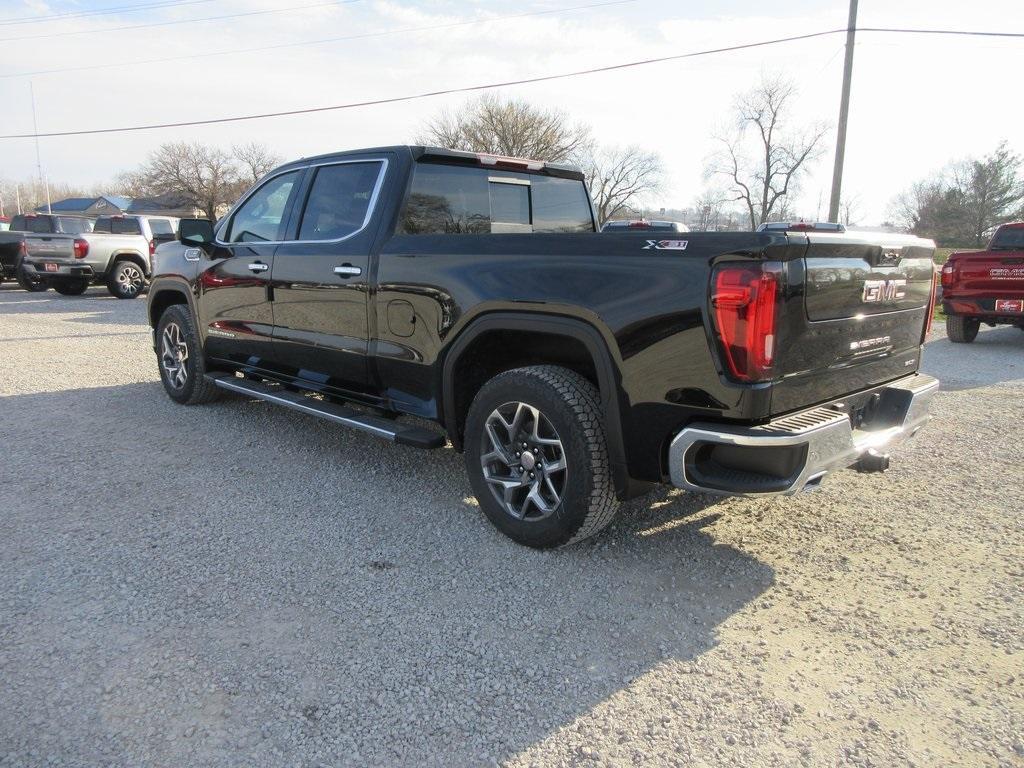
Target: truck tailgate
pixel 42 247
pixel 864 309
pixel 993 272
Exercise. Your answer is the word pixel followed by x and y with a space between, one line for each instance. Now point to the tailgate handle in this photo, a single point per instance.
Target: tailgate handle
pixel 888 257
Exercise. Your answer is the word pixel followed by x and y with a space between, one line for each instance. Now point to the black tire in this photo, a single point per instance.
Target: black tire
pixel 71 287
pixel 27 283
pixel 962 330
pixel 127 280
pixel 194 389
pixel 570 409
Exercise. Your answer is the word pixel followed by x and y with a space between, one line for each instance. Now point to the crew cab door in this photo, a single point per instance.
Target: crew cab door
pixel 321 277
pixel 234 285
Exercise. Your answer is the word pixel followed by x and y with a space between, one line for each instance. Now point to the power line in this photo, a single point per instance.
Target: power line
pixel 962 32
pixel 320 41
pixel 50 17
pixel 429 94
pixel 488 86
pixel 178 21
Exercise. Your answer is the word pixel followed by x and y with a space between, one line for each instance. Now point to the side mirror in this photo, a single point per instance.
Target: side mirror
pixel 195 232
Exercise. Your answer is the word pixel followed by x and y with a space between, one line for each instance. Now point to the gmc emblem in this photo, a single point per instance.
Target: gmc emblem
pixel 879 291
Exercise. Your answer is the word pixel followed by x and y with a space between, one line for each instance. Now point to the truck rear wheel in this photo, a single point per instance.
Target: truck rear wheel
pixel 962 330
pixel 537 458
pixel 71 287
pixel 126 280
pixel 182 365
pixel 27 283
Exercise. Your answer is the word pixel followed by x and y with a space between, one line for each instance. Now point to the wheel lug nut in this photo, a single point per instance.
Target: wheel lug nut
pixel 531 475
pixel 520 467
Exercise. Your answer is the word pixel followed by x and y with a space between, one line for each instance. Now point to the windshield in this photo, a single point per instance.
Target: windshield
pixel 1009 239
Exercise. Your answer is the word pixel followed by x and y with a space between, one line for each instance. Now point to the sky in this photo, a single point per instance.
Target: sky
pixel 918 102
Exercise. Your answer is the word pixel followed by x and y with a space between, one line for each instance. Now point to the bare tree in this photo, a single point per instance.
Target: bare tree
pixel 203 176
pixel 508 127
pixel 256 161
pixel 763 159
pixel 620 176
pixel 711 210
pixel 849 210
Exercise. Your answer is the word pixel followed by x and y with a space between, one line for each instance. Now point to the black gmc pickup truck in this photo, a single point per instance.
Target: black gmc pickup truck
pixel 572 368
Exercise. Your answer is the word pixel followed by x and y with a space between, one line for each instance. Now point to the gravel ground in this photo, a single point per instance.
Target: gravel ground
pixel 239 585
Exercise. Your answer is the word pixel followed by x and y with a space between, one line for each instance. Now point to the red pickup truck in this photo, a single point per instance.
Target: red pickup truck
pixel 985 286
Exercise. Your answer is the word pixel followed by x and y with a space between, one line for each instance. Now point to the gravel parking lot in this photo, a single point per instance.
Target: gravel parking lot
pixel 238 585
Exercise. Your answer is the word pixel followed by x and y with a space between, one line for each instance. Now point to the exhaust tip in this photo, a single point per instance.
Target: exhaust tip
pixel 873 461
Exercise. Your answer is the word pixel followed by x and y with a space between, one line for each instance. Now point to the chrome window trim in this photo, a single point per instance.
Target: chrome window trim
pixel 508 180
pixel 370 208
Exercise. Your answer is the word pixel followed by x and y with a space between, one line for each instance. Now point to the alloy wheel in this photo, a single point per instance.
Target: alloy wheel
pixel 174 356
pixel 523 461
pixel 130 280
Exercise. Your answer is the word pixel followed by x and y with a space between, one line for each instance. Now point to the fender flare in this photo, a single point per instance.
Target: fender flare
pixel 133 256
pixel 608 379
pixel 164 285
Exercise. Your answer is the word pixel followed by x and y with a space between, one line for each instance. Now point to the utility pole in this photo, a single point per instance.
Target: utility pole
pixel 844 112
pixel 39 161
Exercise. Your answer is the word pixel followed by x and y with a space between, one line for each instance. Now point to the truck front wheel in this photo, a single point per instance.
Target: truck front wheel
pixel 181 358
pixel 962 330
pixel 537 458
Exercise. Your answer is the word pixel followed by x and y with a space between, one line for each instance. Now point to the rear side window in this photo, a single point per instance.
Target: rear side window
pixel 447 199
pixel 71 226
pixel 458 200
pixel 339 200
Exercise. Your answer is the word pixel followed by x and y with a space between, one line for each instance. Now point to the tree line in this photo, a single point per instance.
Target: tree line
pixel 960 205
pixel 761 158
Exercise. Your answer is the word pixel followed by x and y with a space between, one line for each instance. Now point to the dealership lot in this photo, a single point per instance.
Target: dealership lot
pixel 237 585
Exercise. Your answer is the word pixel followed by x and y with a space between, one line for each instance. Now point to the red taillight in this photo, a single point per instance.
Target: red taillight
pixel 152 247
pixel 23 248
pixel 744 301
pixel 948 274
pixel 81 248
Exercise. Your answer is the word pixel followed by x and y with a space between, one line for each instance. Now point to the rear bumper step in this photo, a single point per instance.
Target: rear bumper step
pixel 403 434
pixel 794 453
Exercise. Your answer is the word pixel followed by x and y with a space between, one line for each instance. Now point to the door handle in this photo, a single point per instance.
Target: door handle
pixel 258 266
pixel 347 270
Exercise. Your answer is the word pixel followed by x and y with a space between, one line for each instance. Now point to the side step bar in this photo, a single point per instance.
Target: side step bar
pixel 403 434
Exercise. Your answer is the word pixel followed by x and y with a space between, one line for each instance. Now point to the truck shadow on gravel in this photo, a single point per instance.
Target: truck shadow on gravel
pixel 235 584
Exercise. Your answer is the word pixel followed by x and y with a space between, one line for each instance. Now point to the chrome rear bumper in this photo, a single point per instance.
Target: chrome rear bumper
pixel 795 452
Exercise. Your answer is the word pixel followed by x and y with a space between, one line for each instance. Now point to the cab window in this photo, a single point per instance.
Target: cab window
pixel 339 200
pixel 261 217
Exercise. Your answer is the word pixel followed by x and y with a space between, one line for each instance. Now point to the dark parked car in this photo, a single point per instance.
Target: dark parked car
pixel 12 241
pixel 571 368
